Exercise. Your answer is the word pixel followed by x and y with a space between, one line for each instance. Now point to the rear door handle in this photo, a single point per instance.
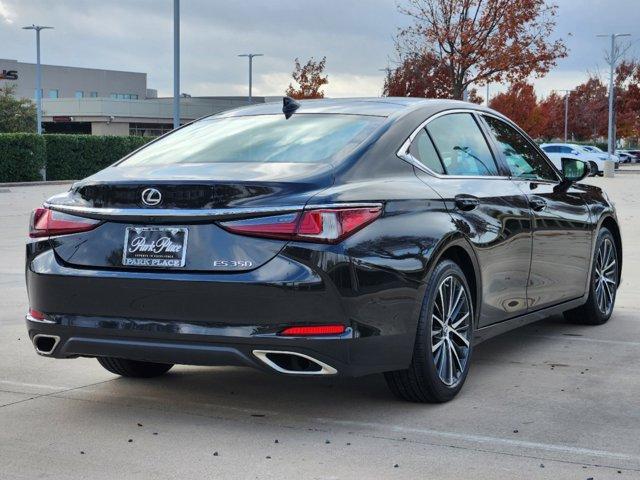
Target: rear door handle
pixel 537 203
pixel 466 202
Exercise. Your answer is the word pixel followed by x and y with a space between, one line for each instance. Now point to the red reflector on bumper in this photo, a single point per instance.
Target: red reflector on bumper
pixel 314 330
pixel 36 315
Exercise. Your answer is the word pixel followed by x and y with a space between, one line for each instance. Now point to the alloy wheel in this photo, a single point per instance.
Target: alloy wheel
pixel 450 330
pixel 605 276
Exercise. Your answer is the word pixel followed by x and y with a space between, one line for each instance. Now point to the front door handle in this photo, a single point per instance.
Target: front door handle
pixel 537 203
pixel 466 202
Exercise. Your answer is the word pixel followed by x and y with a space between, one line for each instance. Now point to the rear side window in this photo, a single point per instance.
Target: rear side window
pixel 523 159
pixel 422 149
pixel 303 138
pixel 462 146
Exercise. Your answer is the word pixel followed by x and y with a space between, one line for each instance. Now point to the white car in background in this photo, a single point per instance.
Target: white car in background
pixel 625 157
pixel 599 151
pixel 596 159
pixel 628 156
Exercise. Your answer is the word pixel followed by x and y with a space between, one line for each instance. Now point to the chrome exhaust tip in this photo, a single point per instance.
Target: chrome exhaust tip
pixel 293 363
pixel 45 344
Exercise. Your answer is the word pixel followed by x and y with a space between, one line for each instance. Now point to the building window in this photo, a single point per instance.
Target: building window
pixel 53 93
pixel 93 94
pixel 79 94
pixel 149 129
pixel 124 96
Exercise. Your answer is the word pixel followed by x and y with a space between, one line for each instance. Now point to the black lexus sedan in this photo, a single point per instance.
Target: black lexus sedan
pixel 328 237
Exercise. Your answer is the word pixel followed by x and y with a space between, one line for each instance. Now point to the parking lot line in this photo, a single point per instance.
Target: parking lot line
pixel 572 338
pixel 34 385
pixel 484 439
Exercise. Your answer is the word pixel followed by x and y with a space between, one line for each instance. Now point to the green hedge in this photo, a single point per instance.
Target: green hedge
pixel 22 156
pixel 72 157
pixel 68 157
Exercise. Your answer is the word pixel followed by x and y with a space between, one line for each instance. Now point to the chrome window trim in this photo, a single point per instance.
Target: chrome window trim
pixel 403 151
pixel 202 214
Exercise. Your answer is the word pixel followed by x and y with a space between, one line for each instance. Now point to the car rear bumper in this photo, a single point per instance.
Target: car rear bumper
pixel 213 319
pixel 101 337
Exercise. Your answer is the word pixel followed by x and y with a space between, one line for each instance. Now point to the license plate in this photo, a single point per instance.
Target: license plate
pixel 159 247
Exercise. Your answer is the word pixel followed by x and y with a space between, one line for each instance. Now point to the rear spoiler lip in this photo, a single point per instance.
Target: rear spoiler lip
pixel 171 215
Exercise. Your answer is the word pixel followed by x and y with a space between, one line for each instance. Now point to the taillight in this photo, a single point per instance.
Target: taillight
pixel 326 225
pixel 314 330
pixel 46 222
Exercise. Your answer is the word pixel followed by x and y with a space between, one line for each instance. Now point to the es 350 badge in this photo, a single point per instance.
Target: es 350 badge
pixel 232 263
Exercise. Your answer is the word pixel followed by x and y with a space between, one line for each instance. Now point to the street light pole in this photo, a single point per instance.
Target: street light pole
pixel 566 116
pixel 176 63
pixel 566 113
pixel 614 56
pixel 37 29
pixel 250 57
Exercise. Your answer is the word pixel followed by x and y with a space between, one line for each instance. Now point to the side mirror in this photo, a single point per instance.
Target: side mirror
pixel 574 170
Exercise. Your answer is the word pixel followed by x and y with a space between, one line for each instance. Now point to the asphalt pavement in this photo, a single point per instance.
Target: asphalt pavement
pixel 548 401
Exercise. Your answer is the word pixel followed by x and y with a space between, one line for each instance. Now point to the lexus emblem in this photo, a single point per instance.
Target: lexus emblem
pixel 151 197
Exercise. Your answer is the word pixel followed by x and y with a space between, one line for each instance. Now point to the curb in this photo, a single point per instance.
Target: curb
pixel 36 184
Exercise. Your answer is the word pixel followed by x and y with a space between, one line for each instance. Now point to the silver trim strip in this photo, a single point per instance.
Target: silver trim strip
pixel 42 352
pixel 32 319
pixel 324 370
pixel 125 213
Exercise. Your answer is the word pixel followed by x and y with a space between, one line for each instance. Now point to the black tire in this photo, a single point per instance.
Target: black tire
pixel 595 172
pixel 591 312
pixel 134 368
pixel 421 382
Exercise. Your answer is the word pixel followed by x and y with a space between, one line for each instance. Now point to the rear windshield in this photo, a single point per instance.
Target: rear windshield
pixel 304 138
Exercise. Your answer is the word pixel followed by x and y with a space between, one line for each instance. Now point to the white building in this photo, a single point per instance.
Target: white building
pixel 105 102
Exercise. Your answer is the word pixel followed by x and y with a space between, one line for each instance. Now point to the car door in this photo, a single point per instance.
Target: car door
pixel 561 228
pixel 456 160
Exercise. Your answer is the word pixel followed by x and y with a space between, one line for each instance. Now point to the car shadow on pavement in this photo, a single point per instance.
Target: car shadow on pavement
pixel 248 392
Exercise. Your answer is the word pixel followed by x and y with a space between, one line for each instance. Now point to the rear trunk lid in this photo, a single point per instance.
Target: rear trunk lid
pixel 174 209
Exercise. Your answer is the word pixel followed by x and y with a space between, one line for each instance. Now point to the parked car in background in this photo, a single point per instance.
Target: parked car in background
pixel 595 159
pixel 625 157
pixel 636 155
pixel 599 151
pixel 556 154
pixel 601 154
pixel 628 156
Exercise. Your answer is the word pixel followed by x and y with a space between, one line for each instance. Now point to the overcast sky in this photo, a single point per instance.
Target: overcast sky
pixel 355 35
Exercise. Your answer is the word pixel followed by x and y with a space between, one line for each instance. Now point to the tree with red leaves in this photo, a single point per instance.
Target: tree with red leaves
pixel 520 104
pixel 628 99
pixel 552 110
pixel 310 79
pixel 424 76
pixel 588 110
pixel 479 41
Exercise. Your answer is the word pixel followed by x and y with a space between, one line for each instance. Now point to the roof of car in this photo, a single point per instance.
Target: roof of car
pixel 560 144
pixel 379 106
